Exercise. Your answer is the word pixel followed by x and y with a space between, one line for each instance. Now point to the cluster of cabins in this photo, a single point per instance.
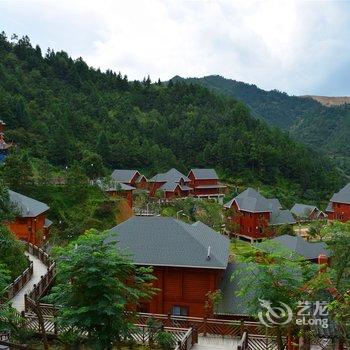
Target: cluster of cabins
pixel 199 183
pixel 189 260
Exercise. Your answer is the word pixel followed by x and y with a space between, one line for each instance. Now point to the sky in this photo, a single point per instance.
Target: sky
pixel 301 47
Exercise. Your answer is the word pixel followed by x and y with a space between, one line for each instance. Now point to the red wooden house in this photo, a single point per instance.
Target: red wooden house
pixel 339 205
pixel 305 212
pixel 31 224
pixel 255 217
pixel 120 189
pixel 172 184
pixel 130 177
pixel 189 261
pixel 205 183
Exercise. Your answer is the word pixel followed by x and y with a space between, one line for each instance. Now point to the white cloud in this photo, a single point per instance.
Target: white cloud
pixel 290 45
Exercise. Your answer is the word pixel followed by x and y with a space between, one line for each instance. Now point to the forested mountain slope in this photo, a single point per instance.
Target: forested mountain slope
pixel 61 110
pixel 323 128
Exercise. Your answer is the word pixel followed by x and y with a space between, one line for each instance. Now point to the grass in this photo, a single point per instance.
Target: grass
pixel 239 247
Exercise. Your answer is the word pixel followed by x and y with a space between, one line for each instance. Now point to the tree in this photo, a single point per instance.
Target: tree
pixel 7 210
pixel 12 253
pixel 279 277
pixel 17 171
pixel 96 285
pixel 103 148
pixel 316 231
pixel 339 244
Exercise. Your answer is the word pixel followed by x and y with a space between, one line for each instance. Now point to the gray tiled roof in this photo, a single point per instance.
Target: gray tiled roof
pixel 282 217
pixel 329 208
pixel 122 175
pixel 252 201
pixel 309 250
pixel 47 223
pixel 27 207
pixel 163 241
pixel 343 196
pixel 172 175
pixel 113 186
pixel 303 210
pixel 231 304
pixel 205 174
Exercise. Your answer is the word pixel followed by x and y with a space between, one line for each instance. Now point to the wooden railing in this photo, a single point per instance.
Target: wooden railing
pixel 190 338
pixel 15 287
pixel 183 337
pixel 207 326
pixel 40 254
pixel 46 280
pixel 243 343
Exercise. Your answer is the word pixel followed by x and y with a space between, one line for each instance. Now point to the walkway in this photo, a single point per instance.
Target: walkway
pixel 39 269
pixel 215 343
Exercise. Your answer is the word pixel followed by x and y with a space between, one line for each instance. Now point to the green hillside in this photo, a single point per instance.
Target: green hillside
pixel 324 128
pixel 61 110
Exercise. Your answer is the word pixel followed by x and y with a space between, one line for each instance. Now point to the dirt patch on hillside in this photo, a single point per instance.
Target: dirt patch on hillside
pixel 331 101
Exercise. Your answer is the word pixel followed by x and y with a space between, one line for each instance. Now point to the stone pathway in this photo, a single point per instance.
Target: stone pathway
pixel 39 269
pixel 215 343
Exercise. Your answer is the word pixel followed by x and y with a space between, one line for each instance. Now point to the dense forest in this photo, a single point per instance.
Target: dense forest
pixel 62 111
pixel 323 128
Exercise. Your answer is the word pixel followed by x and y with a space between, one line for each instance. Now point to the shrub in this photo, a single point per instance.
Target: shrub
pixel 165 340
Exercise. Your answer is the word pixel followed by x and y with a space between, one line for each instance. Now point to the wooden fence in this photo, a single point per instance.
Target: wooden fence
pixel 190 338
pixel 45 282
pixel 210 326
pixel 15 287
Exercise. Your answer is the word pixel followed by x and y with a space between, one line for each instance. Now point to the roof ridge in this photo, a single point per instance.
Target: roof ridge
pixel 189 229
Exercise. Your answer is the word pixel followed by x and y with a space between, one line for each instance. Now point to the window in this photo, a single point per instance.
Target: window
pixel 179 310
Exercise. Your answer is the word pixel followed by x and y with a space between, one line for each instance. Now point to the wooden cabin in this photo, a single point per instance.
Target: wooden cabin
pixel 205 183
pixel 255 217
pixel 339 205
pixel 305 212
pixel 114 188
pixel 189 261
pixel 31 225
pixel 4 147
pixel 132 178
pixel 173 184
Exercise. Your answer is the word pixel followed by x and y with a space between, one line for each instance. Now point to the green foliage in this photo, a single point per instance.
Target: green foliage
pixel 207 211
pixel 285 230
pixel 12 253
pixel 165 340
pixel 76 206
pixel 4 279
pixel 17 171
pixel 89 269
pixel 153 327
pixel 339 244
pixel 278 277
pixel 59 109
pixel 7 210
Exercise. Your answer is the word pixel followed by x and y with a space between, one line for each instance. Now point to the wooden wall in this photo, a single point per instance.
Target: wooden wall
pixel 183 287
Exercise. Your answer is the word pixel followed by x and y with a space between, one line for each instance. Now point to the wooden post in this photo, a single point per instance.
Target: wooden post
pixel 205 327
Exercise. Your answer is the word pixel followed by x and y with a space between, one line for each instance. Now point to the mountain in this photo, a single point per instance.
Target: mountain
pixel 60 110
pixel 324 128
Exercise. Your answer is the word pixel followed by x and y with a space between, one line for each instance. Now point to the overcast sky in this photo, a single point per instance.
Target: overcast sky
pixel 297 47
